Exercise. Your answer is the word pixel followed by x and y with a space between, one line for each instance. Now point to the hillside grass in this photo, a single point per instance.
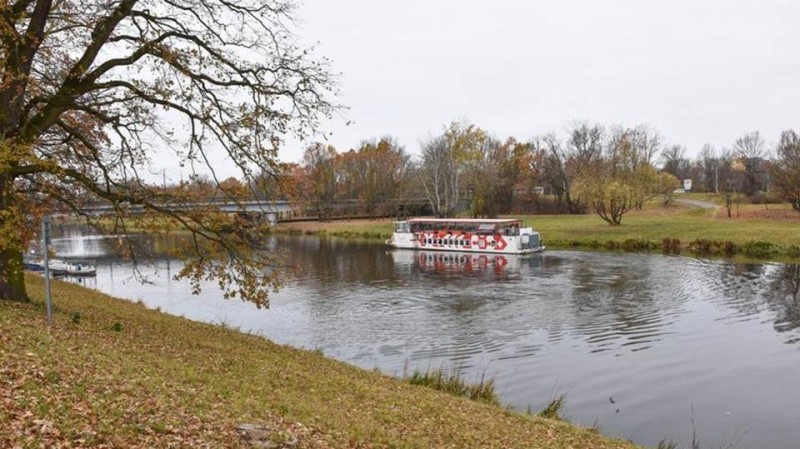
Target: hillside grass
pixel 111 373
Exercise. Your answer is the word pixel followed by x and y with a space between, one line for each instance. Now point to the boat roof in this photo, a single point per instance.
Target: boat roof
pixel 463 220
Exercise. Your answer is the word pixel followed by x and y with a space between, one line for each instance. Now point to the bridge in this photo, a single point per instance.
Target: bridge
pixel 275 211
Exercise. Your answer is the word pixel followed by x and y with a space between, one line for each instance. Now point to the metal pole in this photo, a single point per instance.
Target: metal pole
pixel 46 258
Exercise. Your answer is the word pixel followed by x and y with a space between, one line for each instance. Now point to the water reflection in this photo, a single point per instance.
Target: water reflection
pixel 783 298
pixel 332 262
pixel 662 335
pixel 461 265
pixel 72 241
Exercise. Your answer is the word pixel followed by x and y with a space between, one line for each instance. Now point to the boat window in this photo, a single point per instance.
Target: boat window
pixel 402 227
pixel 486 228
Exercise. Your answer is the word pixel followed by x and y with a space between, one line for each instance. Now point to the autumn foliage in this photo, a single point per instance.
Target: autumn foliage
pixel 94 91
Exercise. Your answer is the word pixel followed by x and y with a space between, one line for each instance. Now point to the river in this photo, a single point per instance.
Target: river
pixel 648 347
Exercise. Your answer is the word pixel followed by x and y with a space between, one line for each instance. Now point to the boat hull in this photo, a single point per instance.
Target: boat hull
pixel 468 243
pixel 538 249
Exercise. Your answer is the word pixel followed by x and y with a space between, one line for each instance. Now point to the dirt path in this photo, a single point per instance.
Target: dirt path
pixel 696 203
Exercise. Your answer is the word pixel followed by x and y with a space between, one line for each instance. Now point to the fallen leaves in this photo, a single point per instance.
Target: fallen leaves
pixel 167 382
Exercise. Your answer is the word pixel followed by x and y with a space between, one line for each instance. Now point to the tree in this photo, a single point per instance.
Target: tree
pixel 607 194
pixel 623 177
pixel 786 169
pixel 232 188
pixel 517 167
pixel 750 150
pixel 665 185
pixel 630 152
pixel 319 178
pixel 92 91
pixel 647 142
pixel 567 161
pixel 733 183
pixel 381 168
pixel 444 160
pixel 277 184
pixel 675 161
pixel 709 167
pixel 438 172
pixel 492 175
pixel 532 175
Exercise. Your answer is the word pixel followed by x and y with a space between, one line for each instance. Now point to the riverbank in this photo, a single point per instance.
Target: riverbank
pixel 111 372
pixel 756 232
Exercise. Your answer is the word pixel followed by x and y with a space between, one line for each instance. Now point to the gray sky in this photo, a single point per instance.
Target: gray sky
pixel 697 70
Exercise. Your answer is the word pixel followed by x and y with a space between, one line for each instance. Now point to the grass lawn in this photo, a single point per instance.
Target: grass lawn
pixel 111 373
pixel 685 224
pixel 375 229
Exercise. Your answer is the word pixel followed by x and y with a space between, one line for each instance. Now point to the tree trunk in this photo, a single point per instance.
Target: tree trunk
pixel 12 276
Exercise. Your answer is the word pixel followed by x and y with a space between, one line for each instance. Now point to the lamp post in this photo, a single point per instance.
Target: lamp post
pixel 46 259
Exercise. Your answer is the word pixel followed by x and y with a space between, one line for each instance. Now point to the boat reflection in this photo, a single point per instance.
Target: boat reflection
pixel 464 262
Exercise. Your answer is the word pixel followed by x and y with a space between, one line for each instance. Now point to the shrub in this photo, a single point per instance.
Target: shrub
pixel 758 249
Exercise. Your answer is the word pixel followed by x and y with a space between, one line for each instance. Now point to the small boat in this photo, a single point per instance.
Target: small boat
pixel 499 236
pixel 33 265
pixel 60 267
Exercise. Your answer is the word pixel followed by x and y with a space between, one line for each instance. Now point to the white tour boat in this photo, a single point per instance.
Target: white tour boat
pixel 500 236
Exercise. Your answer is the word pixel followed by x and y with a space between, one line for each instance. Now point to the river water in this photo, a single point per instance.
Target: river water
pixel 648 347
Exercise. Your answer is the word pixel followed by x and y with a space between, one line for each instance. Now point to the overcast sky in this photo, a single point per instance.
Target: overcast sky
pixel 697 70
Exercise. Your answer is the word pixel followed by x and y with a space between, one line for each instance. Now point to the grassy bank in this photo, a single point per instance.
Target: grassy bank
pixel 757 232
pixel 379 229
pixel 111 372
pixel 680 230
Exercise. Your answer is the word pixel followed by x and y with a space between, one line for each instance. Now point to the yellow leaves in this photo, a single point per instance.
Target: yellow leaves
pixel 466 141
pixel 13 154
pixel 611 194
pixel 12 229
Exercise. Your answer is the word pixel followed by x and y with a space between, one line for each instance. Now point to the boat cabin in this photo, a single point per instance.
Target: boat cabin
pixel 472 226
